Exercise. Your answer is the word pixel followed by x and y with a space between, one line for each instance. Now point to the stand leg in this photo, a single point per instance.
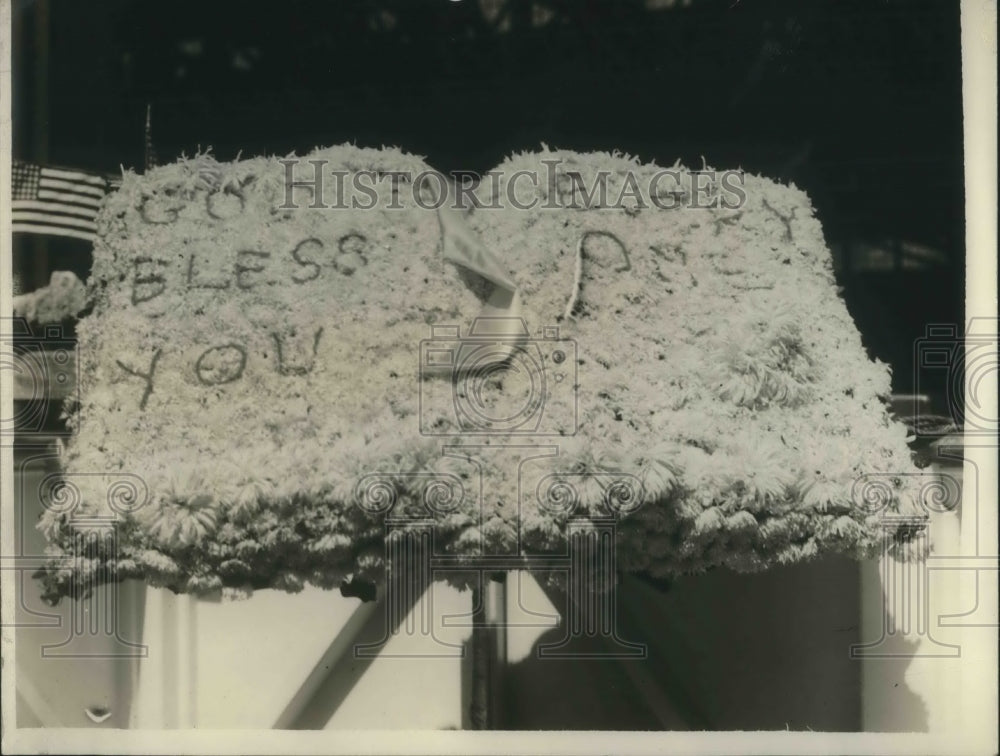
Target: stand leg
pixel 489 653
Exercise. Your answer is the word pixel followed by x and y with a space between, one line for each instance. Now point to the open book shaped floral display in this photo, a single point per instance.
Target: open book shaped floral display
pixel 283 360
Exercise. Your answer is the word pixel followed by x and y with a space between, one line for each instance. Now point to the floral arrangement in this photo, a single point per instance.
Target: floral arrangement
pixel 254 369
pixel 63 299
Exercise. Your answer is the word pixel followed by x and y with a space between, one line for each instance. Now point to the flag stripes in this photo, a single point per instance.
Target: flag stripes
pixel 56 201
pixel 75 177
pixel 45 228
pixel 45 217
pixel 29 205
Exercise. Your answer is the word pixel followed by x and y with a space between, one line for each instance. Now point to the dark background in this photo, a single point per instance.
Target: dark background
pixel 857 102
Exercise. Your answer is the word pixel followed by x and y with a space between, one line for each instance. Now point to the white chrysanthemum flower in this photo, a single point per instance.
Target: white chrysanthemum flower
pixel 332 542
pixel 709 520
pixel 825 495
pixel 741 521
pixel 159 563
pixel 244 486
pixel 761 471
pixel 659 479
pixel 846 528
pixel 187 511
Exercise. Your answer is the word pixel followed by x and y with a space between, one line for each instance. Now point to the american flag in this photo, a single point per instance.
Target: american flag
pixel 56 201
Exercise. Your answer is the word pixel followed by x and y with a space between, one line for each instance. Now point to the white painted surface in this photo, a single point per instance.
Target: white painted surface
pixel 239 664
pixel 407 687
pixel 941 626
pixel 231 664
pixel 979 104
pixel 254 654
